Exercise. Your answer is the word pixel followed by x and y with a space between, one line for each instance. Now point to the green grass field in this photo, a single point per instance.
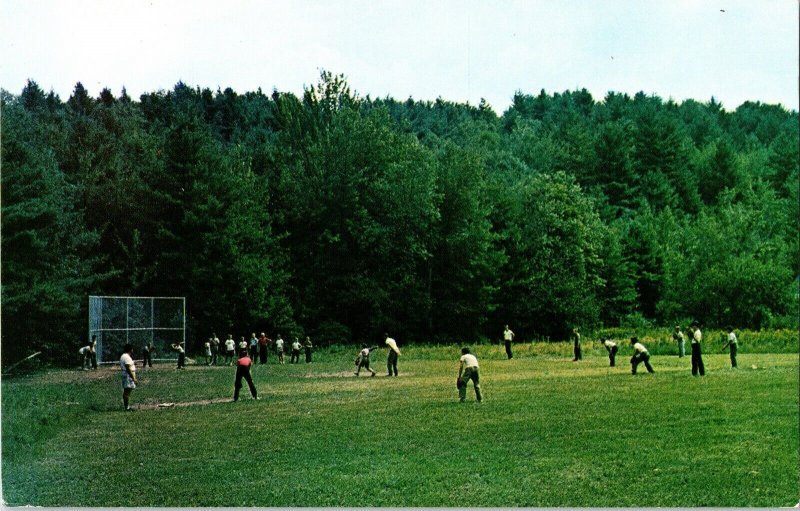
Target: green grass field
pixel 549 433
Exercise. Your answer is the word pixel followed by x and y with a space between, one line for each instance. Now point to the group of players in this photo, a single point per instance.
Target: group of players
pixel 258 348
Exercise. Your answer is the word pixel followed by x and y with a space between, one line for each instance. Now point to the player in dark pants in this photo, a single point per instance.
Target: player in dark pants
pixel 308 347
pixel 640 354
pixel 733 343
pixel 394 353
pixel 263 347
pixel 576 348
pixel 468 370
pixel 508 337
pixel 362 360
pixel 147 354
pixel 93 352
pixel 697 356
pixel 243 371
pixel 612 349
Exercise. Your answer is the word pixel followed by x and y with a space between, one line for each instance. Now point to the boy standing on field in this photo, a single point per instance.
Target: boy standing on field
pixel 697 355
pixel 129 380
pixel 394 353
pixel 214 348
pixel 93 351
pixel 508 336
pixel 308 347
pixel 148 351
pixel 640 354
pixel 468 370
pixel 612 348
pixel 576 348
pixel 678 337
pixel 263 346
pixel 295 351
pixel 253 347
pixel 734 345
pixel 207 350
pixel 230 349
pixel 279 348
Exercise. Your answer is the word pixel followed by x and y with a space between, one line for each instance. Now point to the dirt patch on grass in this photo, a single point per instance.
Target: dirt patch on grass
pixel 349 374
pixel 199 402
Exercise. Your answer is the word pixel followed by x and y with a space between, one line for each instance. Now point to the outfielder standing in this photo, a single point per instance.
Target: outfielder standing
pixel 394 352
pixel 129 380
pixel 576 347
pixel 697 355
pixel 678 337
pixel 508 336
pixel 733 343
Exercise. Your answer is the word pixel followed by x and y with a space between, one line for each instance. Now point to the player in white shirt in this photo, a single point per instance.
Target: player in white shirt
pixel 508 336
pixel 295 351
pixel 640 354
pixel 468 370
pixel 86 353
pixel 279 348
pixel 129 380
pixel 230 349
pixel 612 349
pixel 178 346
pixel 733 342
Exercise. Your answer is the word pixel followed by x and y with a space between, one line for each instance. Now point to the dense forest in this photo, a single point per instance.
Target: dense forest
pixel 341 217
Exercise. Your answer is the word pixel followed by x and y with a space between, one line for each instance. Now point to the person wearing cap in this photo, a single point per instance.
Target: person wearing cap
pixel 734 345
pixel 679 338
pixel 697 356
pixel 508 336
pixel 243 371
pixel 576 348
pixel 640 354
pixel 468 370
pixel 394 353
pixel 129 380
pixel 612 348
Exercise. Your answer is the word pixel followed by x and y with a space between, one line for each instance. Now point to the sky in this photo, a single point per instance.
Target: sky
pixel 462 51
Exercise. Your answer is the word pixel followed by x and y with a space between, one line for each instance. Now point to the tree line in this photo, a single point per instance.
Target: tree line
pixel 341 217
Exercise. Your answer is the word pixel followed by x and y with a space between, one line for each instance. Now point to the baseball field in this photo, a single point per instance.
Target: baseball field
pixel 550 432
